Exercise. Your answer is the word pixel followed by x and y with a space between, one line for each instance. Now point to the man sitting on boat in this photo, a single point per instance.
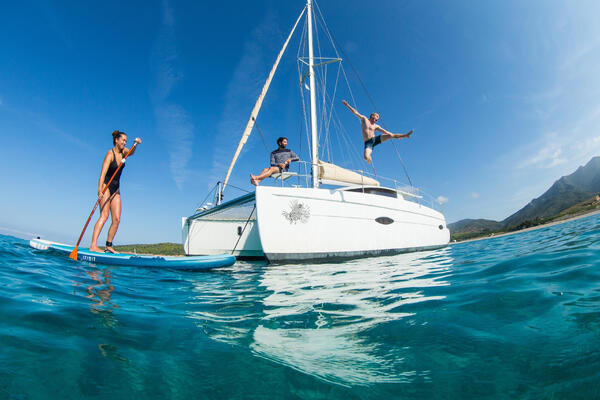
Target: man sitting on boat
pixel 368 128
pixel 280 161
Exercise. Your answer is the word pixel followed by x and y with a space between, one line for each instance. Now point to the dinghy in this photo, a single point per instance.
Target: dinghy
pixel 134 260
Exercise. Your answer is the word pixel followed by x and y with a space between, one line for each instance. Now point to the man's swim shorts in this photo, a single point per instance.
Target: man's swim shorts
pixel 374 141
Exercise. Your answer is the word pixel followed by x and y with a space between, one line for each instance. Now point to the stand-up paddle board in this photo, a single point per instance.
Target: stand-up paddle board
pixel 187 263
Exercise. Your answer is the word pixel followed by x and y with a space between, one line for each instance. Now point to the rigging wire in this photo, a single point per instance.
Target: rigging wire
pixel 335 43
pixel 401 163
pixel 343 134
pixel 261 135
pixel 320 74
pixel 301 49
pixel 332 40
pixel 335 86
pixel 328 111
pixel 206 198
pixel 243 230
pixel 333 116
pixel 331 112
pixel 239 188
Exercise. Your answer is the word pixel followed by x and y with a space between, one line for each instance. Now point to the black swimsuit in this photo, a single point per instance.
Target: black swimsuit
pixel 114 185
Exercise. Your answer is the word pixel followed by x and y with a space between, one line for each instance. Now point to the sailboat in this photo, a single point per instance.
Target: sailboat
pixel 338 213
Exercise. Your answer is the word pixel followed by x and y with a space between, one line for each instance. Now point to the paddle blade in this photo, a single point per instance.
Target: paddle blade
pixel 73 254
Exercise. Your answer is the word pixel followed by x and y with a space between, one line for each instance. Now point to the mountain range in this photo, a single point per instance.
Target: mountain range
pixel 564 193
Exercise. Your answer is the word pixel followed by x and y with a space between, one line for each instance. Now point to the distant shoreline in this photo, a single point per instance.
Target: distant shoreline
pixel 561 221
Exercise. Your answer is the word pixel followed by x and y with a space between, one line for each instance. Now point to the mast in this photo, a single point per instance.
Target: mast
pixel 313 109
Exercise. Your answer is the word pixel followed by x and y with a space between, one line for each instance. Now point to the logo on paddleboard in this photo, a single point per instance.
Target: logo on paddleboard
pixel 299 212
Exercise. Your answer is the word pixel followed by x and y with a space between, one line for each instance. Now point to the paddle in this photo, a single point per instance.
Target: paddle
pixel 73 254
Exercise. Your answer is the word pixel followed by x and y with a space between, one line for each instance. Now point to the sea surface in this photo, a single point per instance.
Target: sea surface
pixel 513 317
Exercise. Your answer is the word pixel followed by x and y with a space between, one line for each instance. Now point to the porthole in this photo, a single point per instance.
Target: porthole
pixel 384 220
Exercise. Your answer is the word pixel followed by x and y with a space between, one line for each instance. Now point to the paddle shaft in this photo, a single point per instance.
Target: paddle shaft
pixel 73 254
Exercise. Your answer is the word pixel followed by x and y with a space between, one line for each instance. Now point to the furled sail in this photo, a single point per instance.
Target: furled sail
pixel 333 173
pixel 258 104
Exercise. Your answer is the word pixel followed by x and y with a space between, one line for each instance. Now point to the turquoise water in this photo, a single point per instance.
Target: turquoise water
pixel 510 317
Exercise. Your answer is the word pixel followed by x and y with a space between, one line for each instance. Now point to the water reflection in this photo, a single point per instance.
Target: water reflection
pixel 100 291
pixel 317 317
pixel 98 286
pixel 320 318
pixel 228 303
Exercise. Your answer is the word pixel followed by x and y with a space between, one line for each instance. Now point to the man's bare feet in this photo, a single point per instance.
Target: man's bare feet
pixel 253 180
pixel 409 133
pixel 96 249
pixel 109 249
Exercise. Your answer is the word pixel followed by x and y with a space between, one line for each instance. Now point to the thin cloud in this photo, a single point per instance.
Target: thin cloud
pixel 575 57
pixel 475 195
pixel 45 125
pixel 547 157
pixel 173 121
pixel 249 76
pixel 573 146
pixel 442 200
pixel 586 149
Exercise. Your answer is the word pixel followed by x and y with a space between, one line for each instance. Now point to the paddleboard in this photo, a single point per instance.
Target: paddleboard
pixel 186 263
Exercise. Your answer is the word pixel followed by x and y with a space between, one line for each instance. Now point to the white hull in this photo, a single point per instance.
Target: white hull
pixel 294 224
pixel 218 233
pixel 332 223
pixel 218 237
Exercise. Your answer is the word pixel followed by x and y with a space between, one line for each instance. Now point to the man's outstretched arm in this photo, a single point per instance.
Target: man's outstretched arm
pixel 359 115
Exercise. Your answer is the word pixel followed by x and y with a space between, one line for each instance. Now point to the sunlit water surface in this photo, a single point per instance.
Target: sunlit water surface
pixel 509 317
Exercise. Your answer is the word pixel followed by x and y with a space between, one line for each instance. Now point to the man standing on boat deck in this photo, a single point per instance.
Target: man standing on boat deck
pixel 368 128
pixel 280 161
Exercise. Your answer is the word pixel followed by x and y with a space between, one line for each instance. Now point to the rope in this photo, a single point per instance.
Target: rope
pixel 243 230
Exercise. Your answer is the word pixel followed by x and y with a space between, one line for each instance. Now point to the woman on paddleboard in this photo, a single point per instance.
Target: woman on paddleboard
pixel 110 200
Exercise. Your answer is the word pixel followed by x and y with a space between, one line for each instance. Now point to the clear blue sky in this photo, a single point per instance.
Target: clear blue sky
pixel 504 97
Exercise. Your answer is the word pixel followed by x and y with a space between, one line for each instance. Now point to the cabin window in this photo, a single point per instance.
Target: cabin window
pixel 377 191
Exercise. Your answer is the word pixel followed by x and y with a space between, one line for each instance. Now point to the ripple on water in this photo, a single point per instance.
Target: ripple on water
pixel 514 316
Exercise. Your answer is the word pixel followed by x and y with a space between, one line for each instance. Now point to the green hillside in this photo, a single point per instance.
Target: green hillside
pixel 570 195
pixel 582 208
pixel 165 249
